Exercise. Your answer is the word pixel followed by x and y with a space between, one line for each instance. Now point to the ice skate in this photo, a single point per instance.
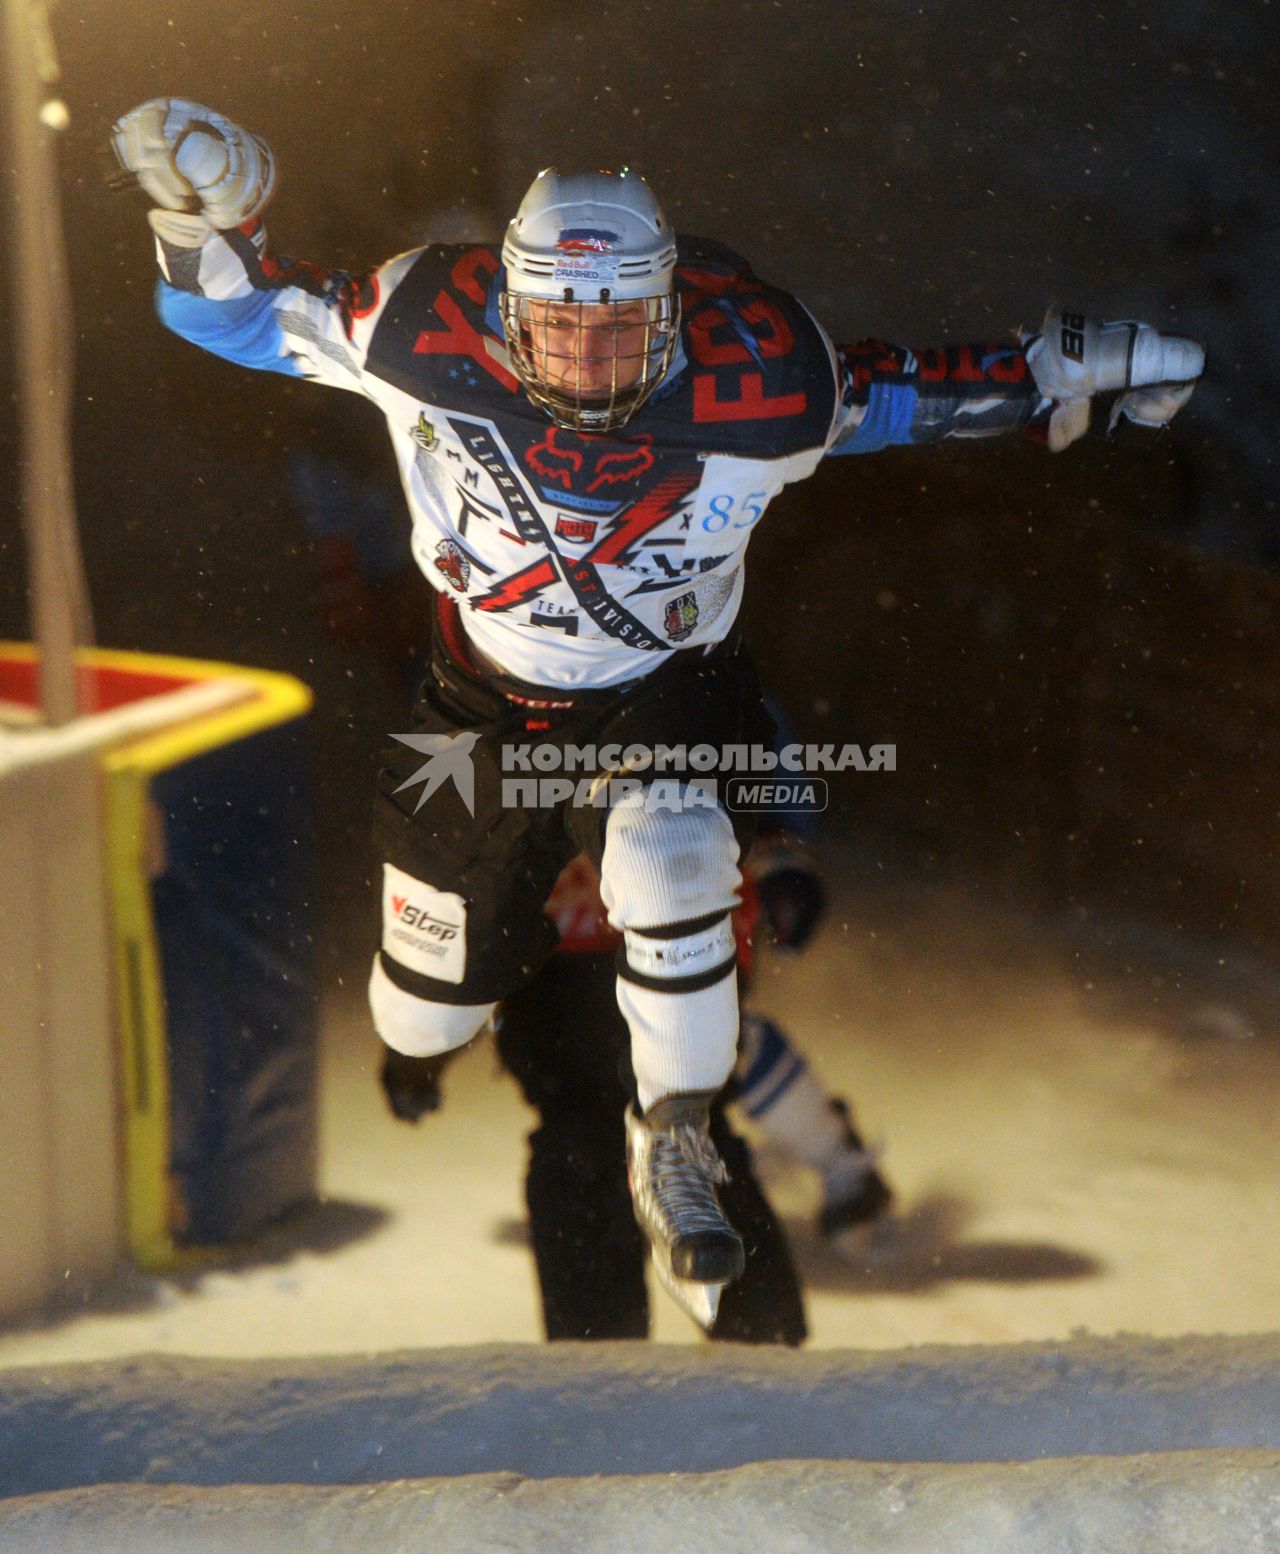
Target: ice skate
pixel 854 1194
pixel 673 1169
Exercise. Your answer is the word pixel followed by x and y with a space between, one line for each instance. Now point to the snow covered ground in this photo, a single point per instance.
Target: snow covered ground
pixel 1075 1151
pixel 1150 1446
pixel 1204 1503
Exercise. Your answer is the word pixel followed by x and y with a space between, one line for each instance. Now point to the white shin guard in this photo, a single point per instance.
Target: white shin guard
pixel 669 882
pixel 420 1027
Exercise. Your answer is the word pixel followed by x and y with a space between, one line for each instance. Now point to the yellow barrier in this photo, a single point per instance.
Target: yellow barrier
pixel 128 767
pixel 128 770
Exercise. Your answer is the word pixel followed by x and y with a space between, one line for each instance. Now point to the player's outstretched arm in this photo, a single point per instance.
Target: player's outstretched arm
pixel 220 286
pixel 1045 380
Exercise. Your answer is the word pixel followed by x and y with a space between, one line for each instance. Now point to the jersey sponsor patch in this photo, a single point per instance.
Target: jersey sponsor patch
pixel 578 531
pixel 581 574
pixel 681 617
pixel 423 929
pixel 453 564
pixel 564 463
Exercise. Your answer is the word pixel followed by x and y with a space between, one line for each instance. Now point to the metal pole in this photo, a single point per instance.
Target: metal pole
pixel 60 614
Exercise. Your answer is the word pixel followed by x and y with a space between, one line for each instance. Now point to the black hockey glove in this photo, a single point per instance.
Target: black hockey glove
pixel 412 1085
pixel 793 900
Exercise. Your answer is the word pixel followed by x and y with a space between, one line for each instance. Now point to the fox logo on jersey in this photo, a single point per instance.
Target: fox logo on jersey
pixel 583 466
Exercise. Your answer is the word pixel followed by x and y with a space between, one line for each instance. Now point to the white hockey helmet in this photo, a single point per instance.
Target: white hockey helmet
pixel 589 309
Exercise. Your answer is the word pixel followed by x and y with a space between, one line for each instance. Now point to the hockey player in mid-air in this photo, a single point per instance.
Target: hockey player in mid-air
pixel 589 421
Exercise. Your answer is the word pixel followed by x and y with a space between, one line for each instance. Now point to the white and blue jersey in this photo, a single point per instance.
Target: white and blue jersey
pixel 584 560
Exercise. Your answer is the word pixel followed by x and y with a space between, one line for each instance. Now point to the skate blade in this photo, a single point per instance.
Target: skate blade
pixel 699 1301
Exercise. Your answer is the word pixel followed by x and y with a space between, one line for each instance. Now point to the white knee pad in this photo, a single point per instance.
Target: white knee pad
pixel 669 882
pixel 420 1027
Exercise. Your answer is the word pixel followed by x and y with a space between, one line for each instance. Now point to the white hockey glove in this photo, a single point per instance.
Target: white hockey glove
pixel 1073 357
pixel 193 162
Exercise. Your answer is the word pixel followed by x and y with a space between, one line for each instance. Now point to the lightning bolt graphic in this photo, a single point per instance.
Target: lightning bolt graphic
pixel 517 588
pixel 655 507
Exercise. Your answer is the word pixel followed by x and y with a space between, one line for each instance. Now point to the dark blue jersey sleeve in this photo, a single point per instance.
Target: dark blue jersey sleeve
pixel 891 395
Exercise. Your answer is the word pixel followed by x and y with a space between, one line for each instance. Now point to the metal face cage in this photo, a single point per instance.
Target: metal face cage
pixel 590 365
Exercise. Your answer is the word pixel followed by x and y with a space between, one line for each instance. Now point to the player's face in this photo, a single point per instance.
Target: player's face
pixel 593 350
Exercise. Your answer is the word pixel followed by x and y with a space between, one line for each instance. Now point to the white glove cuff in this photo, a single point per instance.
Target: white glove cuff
pixel 181 229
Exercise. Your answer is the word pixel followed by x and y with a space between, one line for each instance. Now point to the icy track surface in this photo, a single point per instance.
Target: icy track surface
pixel 1075 1146
pixel 582 1409
pixel 1153 1447
pixel 1211 1503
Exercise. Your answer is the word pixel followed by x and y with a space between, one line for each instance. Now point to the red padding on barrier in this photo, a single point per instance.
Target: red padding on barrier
pixel 100 688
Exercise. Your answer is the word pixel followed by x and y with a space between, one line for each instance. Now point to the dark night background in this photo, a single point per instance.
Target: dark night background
pixel 1075 656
